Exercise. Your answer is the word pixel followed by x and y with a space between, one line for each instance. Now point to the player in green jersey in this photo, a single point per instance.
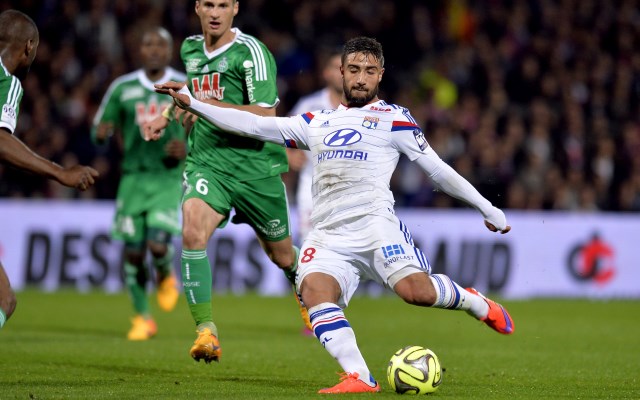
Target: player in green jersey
pixel 150 188
pixel 224 171
pixel 19 40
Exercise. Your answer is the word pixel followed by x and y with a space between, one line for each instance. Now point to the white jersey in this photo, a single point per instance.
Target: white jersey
pixel 319 100
pixel 354 152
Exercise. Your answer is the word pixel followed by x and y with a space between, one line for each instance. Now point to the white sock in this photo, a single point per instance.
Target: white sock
pixel 452 296
pixel 334 333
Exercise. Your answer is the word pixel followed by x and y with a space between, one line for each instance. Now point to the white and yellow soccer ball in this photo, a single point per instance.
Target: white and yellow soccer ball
pixel 414 370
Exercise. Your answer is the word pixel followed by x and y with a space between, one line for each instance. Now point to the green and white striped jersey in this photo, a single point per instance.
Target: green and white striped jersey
pixel 241 72
pixel 10 96
pixel 129 102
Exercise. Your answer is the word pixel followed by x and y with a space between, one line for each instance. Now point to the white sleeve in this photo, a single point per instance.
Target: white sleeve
pixel 452 183
pixel 286 131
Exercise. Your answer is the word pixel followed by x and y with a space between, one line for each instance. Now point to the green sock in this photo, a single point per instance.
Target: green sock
pixel 291 272
pixel 135 279
pixel 163 265
pixel 3 318
pixel 196 281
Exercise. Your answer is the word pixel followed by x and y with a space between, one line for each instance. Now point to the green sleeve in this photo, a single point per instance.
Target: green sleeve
pixel 109 110
pixel 263 78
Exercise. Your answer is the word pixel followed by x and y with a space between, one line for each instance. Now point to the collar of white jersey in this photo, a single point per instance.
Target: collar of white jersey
pixel 377 104
pixel 211 54
pixel 147 83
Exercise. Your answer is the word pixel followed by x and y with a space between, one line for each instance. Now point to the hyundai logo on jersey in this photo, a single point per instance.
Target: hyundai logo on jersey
pixel 343 137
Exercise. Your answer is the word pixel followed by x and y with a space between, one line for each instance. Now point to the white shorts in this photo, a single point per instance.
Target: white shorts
pixel 373 247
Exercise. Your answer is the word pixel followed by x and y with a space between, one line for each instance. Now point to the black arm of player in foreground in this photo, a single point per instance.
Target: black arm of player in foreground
pixel 17 154
pixel 266 129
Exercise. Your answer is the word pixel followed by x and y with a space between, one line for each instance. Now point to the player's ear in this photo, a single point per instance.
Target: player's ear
pixel 29 48
pixel 235 7
pixel 197 8
pixel 380 76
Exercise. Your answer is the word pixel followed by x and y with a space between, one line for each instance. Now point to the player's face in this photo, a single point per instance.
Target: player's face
pixel 155 51
pixel 216 16
pixel 332 74
pixel 361 76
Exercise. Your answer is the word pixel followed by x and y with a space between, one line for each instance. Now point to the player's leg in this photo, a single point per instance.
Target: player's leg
pixel 136 276
pixel 319 277
pixel 8 300
pixel 130 227
pixel 279 253
pixel 162 220
pixel 263 205
pixel 439 291
pixel 199 223
pixel 407 272
pixel 162 253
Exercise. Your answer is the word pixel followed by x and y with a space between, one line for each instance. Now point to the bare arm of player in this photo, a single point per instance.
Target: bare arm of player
pixel 16 153
pixel 452 183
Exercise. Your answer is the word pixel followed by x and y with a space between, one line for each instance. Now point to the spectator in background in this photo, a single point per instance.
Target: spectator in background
pixel 570 65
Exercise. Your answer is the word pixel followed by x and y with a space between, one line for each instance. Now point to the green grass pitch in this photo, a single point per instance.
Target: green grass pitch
pixel 67 345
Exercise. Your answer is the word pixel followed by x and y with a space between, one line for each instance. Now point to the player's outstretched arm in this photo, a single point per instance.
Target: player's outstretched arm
pixel 241 123
pixel 16 153
pixel 452 183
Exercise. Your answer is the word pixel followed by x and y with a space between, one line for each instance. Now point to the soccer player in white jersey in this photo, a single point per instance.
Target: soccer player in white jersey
pixel 356 234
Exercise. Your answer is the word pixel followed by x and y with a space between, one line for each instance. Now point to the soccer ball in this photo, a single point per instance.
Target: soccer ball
pixel 414 370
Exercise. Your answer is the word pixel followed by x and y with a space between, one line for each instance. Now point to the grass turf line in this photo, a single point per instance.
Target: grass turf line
pixel 67 345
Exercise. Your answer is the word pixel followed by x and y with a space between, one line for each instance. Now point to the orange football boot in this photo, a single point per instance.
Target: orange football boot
pixel 206 347
pixel 349 383
pixel 142 329
pixel 498 318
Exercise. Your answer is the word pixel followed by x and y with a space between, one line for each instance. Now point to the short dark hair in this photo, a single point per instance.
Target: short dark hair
pixel 16 26
pixel 364 45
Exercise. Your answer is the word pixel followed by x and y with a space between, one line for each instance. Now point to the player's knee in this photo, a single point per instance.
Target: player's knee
pixel 283 260
pixel 193 238
pixel 9 303
pixel 419 295
pixel 157 249
pixel 318 288
pixel 135 257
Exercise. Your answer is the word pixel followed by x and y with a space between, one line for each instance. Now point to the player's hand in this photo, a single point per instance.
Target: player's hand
pixel 176 149
pixel 153 130
pixel 78 176
pixel 496 221
pixel 171 88
pixel 186 118
pixel 103 131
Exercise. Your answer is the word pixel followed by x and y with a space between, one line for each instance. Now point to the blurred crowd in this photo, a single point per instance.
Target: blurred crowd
pixel 537 103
